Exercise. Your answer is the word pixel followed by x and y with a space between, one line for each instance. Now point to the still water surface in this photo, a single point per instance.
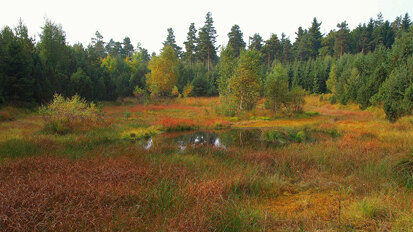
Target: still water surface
pixel 219 139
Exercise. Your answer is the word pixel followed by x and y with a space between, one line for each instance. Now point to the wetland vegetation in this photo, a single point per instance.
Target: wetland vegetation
pixel 339 168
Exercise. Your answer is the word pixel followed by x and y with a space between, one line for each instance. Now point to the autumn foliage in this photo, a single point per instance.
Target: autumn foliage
pixel 164 72
pixel 64 115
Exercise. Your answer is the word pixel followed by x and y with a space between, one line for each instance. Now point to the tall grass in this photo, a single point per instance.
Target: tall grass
pixel 16 148
pixel 177 124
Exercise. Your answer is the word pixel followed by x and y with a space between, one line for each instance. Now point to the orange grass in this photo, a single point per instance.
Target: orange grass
pixel 58 194
pixel 176 124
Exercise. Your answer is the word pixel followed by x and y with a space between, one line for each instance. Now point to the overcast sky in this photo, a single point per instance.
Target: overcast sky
pixel 147 21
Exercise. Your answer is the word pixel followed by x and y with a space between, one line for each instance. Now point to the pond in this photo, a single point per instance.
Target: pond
pixel 253 138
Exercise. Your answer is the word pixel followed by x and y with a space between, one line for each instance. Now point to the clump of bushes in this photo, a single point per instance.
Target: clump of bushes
pixel 286 136
pixel 127 114
pixel 65 115
pixel 188 90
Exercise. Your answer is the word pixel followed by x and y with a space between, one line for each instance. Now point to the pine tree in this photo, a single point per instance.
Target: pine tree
pixel 56 57
pixel 190 45
pixel 206 43
pixel 302 45
pixel 286 47
pixel 271 48
pixel 342 36
pixel 170 40
pixel 255 42
pixel 112 49
pixel 127 48
pixel 327 44
pixel 406 22
pixel 365 39
pixel 236 41
pixel 13 66
pixel 97 47
pixel 388 34
pixel 315 37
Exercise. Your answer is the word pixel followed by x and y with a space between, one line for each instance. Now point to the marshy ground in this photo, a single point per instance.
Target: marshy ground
pixel 332 167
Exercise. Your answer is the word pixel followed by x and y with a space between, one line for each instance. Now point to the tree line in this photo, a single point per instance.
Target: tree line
pixel 369 65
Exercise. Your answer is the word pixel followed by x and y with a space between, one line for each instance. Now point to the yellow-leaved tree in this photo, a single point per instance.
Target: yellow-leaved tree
pixel 164 72
pixel 245 83
pixel 109 63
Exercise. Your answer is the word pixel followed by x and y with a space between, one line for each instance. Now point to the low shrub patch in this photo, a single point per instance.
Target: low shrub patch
pixel 64 115
pixel 286 136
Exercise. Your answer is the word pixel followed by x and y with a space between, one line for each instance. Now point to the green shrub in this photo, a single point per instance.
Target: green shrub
pixel 64 115
pixel 175 91
pixel 127 114
pixel 283 136
pixel 276 136
pixel 138 92
pixel 300 136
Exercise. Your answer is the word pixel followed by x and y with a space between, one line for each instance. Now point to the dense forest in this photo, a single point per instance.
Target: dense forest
pixel 369 65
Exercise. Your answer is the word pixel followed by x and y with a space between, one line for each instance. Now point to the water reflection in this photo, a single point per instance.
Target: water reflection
pixel 148 143
pixel 218 139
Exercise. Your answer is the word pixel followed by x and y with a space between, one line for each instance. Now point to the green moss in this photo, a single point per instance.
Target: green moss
pixel 140 133
pixel 260 118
